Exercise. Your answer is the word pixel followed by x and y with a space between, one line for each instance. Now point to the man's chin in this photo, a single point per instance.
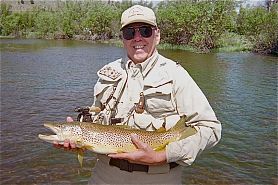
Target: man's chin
pixel 139 59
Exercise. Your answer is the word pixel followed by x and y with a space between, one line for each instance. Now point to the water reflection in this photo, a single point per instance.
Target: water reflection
pixel 45 80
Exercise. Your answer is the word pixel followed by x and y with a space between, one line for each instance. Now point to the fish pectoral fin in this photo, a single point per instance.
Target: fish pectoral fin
pixel 89 147
pixel 80 157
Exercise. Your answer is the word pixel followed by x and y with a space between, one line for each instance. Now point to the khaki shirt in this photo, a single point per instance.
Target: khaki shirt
pixel 169 93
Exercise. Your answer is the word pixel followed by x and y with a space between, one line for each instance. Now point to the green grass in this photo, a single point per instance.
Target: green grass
pixel 176 47
pixel 232 42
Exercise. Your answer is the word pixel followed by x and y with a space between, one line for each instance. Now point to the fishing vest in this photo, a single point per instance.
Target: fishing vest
pixel 156 106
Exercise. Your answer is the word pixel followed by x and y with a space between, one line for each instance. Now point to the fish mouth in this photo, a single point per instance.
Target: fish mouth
pixel 51 138
pixel 48 137
pixel 52 127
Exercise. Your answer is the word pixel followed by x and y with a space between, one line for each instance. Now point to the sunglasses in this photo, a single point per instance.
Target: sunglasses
pixel 145 31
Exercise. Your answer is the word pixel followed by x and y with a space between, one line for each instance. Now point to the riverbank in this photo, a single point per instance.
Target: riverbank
pixel 196 26
pixel 231 45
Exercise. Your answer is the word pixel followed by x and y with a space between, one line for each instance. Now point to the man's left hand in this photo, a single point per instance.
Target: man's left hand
pixel 143 155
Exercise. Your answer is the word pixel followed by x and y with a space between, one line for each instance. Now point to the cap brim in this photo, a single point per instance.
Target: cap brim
pixel 138 21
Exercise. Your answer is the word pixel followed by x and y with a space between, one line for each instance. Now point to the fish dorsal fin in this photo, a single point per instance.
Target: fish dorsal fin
pixel 124 126
pixel 161 129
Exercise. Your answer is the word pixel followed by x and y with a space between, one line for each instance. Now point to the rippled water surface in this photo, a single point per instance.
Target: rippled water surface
pixel 45 80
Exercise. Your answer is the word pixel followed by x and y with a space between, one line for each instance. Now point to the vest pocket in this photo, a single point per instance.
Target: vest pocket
pixel 158 98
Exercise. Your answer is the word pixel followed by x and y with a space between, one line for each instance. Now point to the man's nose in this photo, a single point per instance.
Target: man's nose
pixel 137 36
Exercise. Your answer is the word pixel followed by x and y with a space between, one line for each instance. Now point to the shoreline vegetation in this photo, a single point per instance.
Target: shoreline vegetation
pixel 198 26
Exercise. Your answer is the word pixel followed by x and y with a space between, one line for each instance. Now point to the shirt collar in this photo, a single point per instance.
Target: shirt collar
pixel 145 66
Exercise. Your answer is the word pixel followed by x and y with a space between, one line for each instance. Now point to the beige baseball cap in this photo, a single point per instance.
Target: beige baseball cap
pixel 138 13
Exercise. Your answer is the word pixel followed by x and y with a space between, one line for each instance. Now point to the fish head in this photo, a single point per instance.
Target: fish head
pixel 63 131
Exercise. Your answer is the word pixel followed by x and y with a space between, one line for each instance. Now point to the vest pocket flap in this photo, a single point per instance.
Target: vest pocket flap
pixel 110 73
pixel 161 89
pixel 101 86
pixel 157 82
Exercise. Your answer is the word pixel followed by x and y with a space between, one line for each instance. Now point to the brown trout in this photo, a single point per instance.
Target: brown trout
pixel 107 139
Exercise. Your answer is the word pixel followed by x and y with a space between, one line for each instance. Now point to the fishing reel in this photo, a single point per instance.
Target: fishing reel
pixel 84 114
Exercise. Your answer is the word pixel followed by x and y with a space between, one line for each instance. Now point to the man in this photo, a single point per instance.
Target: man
pixel 148 91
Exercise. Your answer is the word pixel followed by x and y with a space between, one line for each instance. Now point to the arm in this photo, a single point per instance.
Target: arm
pixel 190 99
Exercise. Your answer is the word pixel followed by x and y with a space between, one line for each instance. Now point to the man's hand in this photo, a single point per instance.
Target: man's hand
pixel 67 144
pixel 143 155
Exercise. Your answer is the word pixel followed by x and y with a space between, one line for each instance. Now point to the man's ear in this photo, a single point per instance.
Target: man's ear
pixel 157 36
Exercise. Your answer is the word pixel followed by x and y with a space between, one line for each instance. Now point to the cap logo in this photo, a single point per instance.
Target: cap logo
pixel 135 11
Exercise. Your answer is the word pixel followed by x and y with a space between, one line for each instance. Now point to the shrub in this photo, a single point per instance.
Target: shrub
pixel 197 24
pixel 101 20
pixel 260 26
pixel 4 12
pixel 46 23
pixel 70 16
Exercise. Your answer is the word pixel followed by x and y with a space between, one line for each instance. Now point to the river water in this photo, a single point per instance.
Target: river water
pixel 44 80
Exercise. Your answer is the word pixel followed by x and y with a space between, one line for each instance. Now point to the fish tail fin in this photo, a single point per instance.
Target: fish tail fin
pixel 180 125
pixel 184 130
pixel 188 131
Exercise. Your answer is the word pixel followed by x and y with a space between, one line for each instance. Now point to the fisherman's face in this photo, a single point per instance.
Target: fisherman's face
pixel 140 47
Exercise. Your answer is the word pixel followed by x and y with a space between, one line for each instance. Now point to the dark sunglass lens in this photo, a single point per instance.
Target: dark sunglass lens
pixel 146 31
pixel 128 33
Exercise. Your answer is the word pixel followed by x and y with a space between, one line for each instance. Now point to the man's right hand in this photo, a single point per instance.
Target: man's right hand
pixel 71 146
